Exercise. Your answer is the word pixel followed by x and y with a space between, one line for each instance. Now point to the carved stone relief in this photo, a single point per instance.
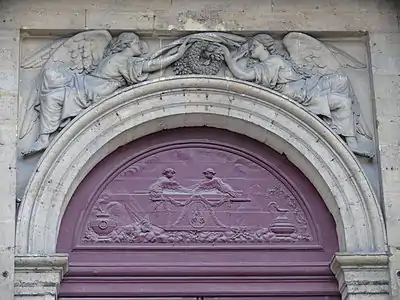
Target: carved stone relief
pixel 184 205
pixel 79 71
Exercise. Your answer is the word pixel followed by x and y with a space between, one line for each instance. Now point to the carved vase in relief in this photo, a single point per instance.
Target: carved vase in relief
pixel 283 228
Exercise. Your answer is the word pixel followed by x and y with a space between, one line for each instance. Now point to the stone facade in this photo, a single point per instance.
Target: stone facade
pixel 361 195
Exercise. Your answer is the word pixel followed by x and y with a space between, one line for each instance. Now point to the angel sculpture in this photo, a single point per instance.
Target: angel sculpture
pixel 309 73
pixel 81 70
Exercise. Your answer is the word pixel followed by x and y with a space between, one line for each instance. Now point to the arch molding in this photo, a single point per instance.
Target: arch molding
pixel 167 103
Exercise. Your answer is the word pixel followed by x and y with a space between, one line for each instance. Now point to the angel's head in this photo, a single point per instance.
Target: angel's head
pixel 126 40
pixel 260 45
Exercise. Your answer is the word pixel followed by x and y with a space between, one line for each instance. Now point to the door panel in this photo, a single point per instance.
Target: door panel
pixel 197 211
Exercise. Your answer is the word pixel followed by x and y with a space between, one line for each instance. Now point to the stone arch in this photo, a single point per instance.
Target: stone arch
pixel 240 107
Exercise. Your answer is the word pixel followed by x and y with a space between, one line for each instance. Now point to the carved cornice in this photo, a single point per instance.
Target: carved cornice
pixel 37 275
pixel 359 273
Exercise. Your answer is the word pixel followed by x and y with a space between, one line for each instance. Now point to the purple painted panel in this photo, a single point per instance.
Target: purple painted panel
pixel 197 202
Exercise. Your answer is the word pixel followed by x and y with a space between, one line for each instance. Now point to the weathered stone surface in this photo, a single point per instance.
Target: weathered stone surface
pixel 61 69
pixel 9 55
pixel 385 61
pixel 362 276
pixel 220 103
pixel 394 263
pixel 9 59
pixel 386 68
pixel 41 15
pixel 121 20
pixel 38 277
pixel 370 15
pixel 332 18
pixel 281 21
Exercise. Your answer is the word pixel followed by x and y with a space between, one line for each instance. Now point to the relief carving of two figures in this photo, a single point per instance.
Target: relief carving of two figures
pixel 90 66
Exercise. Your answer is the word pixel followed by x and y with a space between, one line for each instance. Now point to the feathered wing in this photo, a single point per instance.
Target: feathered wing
pixel 80 54
pixel 323 59
pixel 39 58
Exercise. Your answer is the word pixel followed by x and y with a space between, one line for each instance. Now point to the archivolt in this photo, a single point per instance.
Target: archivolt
pixel 241 107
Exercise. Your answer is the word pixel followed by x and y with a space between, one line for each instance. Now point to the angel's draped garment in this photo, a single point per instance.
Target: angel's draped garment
pixel 64 94
pixel 328 96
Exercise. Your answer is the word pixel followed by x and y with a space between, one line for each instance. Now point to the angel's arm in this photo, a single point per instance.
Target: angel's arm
pixel 159 63
pixel 236 69
pixel 156 64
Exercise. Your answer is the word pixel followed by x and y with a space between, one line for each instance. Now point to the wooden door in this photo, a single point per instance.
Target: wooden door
pixel 198 213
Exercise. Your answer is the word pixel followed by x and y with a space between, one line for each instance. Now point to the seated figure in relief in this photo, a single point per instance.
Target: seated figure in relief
pixel 329 95
pixel 73 79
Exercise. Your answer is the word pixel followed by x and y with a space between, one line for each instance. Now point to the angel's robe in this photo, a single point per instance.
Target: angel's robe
pixel 328 96
pixel 64 94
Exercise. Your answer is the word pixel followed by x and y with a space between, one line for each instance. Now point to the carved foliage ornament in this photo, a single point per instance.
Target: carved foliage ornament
pixel 79 71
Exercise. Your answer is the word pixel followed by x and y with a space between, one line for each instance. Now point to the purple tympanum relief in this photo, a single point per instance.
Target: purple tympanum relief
pixel 197 194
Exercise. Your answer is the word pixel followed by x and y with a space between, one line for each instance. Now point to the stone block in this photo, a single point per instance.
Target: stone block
pixel 389 126
pixel 335 6
pixel 387 93
pixel 121 20
pixel 394 263
pixel 260 19
pixel 9 56
pixel 354 270
pixel 8 104
pixel 390 165
pixel 8 74
pixel 385 59
pixel 38 277
pixel 8 130
pixel 392 216
pixel 369 15
pixel 123 5
pixel 385 54
pixel 35 14
pixel 7 212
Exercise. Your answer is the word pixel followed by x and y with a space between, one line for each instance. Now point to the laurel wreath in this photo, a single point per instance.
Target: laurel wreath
pixel 202 57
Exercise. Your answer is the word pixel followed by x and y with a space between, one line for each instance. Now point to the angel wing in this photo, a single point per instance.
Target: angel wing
pixel 80 54
pixel 323 59
pixel 39 58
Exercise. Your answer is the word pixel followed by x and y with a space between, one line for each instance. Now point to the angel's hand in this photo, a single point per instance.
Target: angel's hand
pixel 240 55
pixel 183 47
pixel 225 51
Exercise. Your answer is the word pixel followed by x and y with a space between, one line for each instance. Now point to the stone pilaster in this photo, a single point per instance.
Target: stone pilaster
pixel 9 60
pixel 385 58
pixel 362 276
pixel 38 277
